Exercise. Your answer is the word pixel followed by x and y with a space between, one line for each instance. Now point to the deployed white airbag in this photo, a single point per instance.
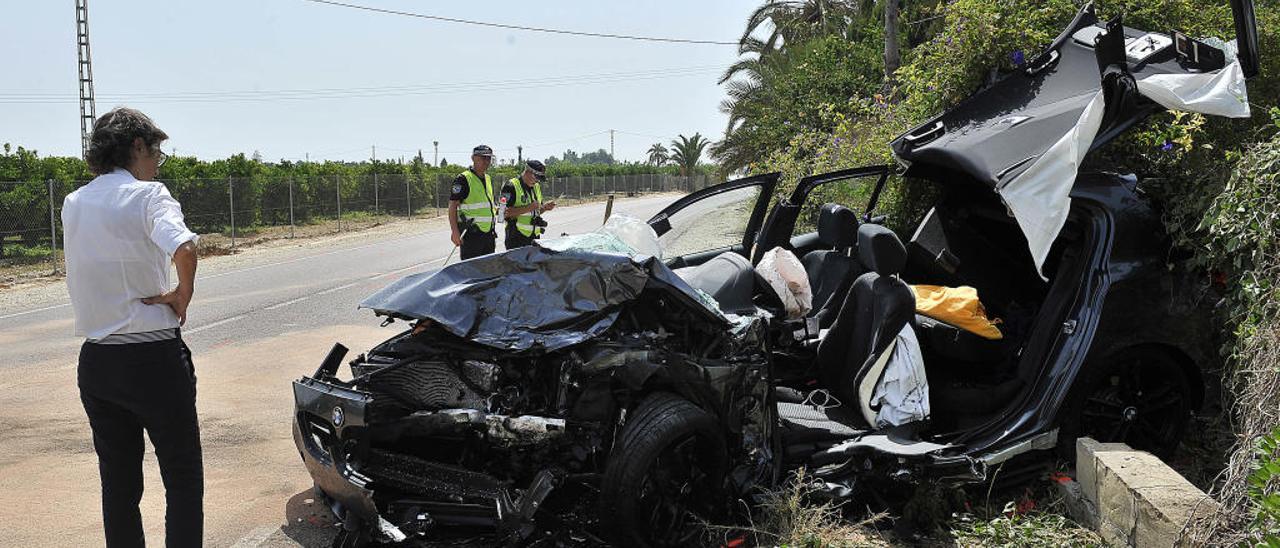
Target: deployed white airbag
pixel 903 391
pixel 635 233
pixel 786 275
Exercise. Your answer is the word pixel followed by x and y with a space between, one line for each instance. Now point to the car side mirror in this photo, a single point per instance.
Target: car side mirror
pixel 660 224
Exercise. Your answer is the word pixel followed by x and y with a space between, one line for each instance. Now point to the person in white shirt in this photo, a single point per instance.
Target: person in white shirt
pixel 120 232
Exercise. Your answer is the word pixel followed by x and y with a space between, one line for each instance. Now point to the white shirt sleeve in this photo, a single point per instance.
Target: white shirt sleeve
pixel 164 216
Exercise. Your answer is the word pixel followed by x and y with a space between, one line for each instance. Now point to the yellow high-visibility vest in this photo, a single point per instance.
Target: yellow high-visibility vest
pixel 478 205
pixel 524 222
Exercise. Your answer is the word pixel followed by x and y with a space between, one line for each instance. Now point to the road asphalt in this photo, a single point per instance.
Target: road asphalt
pixel 255 325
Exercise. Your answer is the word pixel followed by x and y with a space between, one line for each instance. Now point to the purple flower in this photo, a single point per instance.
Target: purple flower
pixel 1018 58
pixel 1167 146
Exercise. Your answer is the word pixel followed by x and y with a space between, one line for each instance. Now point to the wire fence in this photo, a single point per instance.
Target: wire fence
pixel 228 211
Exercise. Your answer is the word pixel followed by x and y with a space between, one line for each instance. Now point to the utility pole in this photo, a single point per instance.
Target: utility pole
pixel 87 113
pixel 520 154
pixel 374 155
pixel 611 144
pixel 435 161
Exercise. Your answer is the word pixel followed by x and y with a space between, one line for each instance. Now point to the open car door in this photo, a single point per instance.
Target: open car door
pixel 780 228
pixel 716 219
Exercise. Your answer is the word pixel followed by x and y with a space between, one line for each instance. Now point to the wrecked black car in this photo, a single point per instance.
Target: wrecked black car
pixel 665 393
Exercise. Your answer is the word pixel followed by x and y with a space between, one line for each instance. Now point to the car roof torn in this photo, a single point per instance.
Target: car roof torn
pixel 1026 135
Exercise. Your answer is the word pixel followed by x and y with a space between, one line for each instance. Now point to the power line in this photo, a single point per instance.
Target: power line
pixel 346 93
pixel 521 80
pixel 646 135
pixel 530 29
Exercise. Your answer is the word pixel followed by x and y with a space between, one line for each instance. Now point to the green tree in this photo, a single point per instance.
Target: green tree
pixel 658 154
pixel 686 152
pixel 803 89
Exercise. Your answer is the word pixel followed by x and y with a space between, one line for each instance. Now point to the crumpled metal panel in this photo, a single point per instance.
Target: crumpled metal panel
pixel 531 297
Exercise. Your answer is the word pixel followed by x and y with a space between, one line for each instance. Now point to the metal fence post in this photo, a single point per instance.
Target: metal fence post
pixel 231 200
pixel 53 228
pixel 375 193
pixel 290 207
pixel 337 188
pixel 408 199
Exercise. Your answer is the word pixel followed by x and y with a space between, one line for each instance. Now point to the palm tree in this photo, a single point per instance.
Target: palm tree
pixel 892 58
pixel 686 152
pixel 658 154
pixel 760 59
pixel 791 22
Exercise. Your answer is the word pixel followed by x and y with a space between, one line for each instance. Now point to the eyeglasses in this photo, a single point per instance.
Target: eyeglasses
pixel 163 157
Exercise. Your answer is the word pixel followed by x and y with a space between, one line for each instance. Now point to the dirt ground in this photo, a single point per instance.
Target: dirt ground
pixel 48 470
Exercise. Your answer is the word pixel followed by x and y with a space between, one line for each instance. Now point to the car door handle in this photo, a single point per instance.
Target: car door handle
pixel 933 132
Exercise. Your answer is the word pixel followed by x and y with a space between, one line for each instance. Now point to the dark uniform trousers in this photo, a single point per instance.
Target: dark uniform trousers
pixel 515 239
pixel 476 242
pixel 151 386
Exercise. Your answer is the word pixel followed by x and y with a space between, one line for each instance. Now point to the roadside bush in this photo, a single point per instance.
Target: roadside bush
pixel 1242 241
pixel 1263 491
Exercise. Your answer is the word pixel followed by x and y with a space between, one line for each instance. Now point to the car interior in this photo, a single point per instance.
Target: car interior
pixel 860 274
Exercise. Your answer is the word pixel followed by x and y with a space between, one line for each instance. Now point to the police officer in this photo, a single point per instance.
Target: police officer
pixel 471 208
pixel 523 196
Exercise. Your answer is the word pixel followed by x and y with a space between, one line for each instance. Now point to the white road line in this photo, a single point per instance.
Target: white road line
pixel 325 254
pixel 25 312
pixel 287 303
pixel 215 324
pixel 339 288
pixel 410 267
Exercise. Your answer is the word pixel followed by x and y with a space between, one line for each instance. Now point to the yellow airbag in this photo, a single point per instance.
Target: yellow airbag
pixel 958 306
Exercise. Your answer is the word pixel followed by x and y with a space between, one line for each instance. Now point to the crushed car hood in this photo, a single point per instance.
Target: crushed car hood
pixel 533 297
pixel 1026 135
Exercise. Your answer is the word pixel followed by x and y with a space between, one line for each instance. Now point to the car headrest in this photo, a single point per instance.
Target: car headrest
pixel 838 226
pixel 880 250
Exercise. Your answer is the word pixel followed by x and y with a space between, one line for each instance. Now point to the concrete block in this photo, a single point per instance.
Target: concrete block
pixel 1140 500
pixel 1079 508
pixel 1086 463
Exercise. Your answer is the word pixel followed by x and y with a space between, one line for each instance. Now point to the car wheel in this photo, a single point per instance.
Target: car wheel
pixel 664 476
pixel 1141 398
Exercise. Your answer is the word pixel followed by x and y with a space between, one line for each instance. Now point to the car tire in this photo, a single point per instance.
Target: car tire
pixel 1140 396
pixel 667 441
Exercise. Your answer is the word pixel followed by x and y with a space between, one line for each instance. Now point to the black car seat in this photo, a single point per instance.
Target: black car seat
pixel 867 322
pixel 853 355
pixel 832 271
pixel 728 278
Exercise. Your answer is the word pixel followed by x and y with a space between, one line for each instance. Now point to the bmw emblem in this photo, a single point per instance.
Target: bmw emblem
pixel 338 416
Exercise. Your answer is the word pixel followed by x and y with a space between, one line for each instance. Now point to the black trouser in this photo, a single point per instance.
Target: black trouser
pixel 516 239
pixel 129 388
pixel 476 243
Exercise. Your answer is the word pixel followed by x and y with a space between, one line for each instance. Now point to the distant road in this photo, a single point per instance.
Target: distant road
pixel 257 322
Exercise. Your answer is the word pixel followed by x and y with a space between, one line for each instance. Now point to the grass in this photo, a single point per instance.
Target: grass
pixel 1011 528
pixel 794 515
pixel 18 253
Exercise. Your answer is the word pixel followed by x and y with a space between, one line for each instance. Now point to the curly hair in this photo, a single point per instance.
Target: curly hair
pixel 111 144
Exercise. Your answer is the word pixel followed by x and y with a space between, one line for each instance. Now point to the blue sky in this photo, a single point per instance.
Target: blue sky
pixel 290 77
